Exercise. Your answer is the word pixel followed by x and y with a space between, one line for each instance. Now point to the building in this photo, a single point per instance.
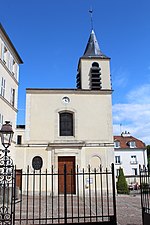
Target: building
pixel 70 126
pixel 130 153
pixel 9 80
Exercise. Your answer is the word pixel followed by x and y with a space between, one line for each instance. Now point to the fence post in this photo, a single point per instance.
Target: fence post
pixel 141 188
pixel 114 193
pixel 14 194
pixel 65 194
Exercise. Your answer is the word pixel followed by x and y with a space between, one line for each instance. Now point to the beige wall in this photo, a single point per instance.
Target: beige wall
pixel 93 140
pixel 92 116
pixel 85 66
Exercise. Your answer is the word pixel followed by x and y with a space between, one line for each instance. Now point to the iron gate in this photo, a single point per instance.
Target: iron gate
pixel 7 190
pixel 145 194
pixel 38 200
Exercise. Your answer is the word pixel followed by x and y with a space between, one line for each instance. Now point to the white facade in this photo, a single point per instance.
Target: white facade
pixel 9 77
pixel 130 154
pixel 130 160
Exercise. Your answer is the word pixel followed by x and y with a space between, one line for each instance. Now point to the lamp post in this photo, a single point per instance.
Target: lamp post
pixel 6 163
pixel 6 176
pixel 6 134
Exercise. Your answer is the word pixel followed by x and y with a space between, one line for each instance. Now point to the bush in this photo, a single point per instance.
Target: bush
pixel 122 187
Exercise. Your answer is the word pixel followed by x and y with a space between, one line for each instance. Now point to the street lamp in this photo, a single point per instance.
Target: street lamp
pixel 6 163
pixel 6 134
pixel 7 190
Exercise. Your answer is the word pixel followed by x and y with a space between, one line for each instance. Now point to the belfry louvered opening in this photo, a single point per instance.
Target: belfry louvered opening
pixel 95 77
pixel 78 81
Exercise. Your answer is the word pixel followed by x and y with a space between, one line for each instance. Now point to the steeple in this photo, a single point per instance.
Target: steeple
pixel 92 48
pixel 93 71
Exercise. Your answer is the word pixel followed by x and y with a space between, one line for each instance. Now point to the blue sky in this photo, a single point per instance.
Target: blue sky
pixel 50 36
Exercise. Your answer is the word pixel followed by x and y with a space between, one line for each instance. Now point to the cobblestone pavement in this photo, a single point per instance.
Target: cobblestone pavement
pixel 129 210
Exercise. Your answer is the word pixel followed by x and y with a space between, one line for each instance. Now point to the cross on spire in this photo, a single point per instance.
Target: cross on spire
pixel 91 14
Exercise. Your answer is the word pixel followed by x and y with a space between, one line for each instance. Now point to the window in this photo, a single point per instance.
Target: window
pixel 3 87
pixel 37 163
pixel 12 97
pixel 117 160
pixel 15 70
pixel 117 172
pixel 66 124
pixel 10 62
pixel 78 80
pixel 19 139
pixel 133 159
pixel 95 64
pixel 2 51
pixel 95 77
pixel 117 144
pixel 134 171
pixel 132 144
pixel 1 120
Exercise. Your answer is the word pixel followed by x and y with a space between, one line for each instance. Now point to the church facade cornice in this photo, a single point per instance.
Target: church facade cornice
pixel 67 91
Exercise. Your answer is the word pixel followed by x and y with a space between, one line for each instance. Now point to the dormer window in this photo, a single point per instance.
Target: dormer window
pixel 132 144
pixel 117 144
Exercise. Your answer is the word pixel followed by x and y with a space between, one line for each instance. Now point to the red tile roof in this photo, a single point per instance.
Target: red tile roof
pixel 124 142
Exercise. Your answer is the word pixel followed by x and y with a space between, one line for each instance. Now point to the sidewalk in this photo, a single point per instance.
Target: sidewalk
pixel 129 210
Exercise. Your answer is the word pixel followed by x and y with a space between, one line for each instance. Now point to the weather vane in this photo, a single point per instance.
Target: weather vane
pixel 91 14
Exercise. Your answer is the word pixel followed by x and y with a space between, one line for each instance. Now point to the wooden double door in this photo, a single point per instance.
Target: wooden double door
pixel 19 179
pixel 69 161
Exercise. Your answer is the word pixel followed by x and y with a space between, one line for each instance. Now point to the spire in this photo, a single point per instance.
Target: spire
pixel 92 48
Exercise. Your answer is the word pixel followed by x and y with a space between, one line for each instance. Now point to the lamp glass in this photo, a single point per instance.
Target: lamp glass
pixel 6 134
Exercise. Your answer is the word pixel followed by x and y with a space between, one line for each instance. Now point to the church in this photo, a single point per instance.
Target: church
pixel 70 126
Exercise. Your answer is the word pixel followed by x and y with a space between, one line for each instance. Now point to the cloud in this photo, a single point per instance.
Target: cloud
pixel 140 95
pixel 120 77
pixel 135 114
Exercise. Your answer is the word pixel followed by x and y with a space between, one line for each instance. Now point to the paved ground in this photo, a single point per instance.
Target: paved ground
pixel 129 210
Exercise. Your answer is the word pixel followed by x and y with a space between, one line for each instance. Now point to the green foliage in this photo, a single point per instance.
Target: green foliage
pixel 122 187
pixel 148 150
pixel 148 156
pixel 149 160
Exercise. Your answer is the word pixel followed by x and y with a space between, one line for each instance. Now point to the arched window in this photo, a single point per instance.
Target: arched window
pixel 95 64
pixel 66 124
pixel 95 76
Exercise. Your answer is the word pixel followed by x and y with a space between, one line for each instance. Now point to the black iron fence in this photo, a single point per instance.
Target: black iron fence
pixel 71 196
pixel 7 190
pixel 145 194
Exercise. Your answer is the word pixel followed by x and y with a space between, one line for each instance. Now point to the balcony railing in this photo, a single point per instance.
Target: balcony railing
pixel 134 162
pixel 118 163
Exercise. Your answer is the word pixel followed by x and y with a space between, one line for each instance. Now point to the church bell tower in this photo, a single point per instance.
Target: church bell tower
pixel 93 67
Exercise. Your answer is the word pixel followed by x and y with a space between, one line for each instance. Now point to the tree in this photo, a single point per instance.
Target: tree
pixel 122 187
pixel 148 150
pixel 148 156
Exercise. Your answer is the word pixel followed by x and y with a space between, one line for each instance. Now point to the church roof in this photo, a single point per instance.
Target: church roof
pixel 92 48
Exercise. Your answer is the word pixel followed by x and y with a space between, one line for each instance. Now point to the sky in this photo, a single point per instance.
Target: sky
pixel 51 36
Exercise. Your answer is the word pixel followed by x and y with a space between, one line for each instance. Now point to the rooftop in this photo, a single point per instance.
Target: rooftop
pixel 125 142
pixel 92 48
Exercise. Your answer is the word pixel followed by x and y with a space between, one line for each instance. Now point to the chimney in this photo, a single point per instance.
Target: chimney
pixel 125 134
